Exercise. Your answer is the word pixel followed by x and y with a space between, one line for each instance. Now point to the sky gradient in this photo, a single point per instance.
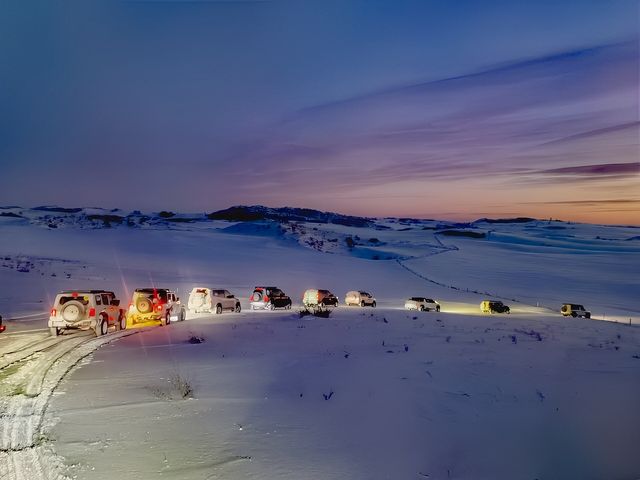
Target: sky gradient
pixel 438 109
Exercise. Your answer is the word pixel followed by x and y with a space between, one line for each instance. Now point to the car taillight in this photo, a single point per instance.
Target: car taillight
pixel 92 312
pixel 251 298
pixel 266 299
pixel 54 312
pixel 158 308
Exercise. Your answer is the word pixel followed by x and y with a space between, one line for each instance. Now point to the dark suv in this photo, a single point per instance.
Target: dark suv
pixel 269 298
pixel 574 310
pixel 494 306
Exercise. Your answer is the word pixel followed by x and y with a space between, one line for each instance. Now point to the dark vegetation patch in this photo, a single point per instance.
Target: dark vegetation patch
pixel 10 214
pixel 106 219
pixel 182 220
pixel 462 233
pixel 58 209
pixel 241 213
pixel 506 220
pixel 165 214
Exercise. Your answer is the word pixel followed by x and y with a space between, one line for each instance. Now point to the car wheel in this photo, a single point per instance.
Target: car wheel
pixel 238 308
pixel 422 308
pixel 183 315
pixel 362 304
pixel 54 331
pixel 373 304
pixel 437 308
pixel 123 322
pixel 218 309
pixel 289 307
pixel 574 314
pixel 272 306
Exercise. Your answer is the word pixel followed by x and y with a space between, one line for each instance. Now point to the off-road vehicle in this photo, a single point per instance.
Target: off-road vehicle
pixel 95 310
pixel 574 310
pixel 155 304
pixel 494 306
pixel 2 327
pixel 318 300
pixel 422 304
pixel 202 299
pixel 359 297
pixel 269 298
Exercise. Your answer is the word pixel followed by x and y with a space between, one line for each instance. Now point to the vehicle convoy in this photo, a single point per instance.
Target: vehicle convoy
pixel 574 310
pixel 359 298
pixel 422 304
pixel 155 304
pixel 95 310
pixel 202 299
pixel 315 300
pixel 269 298
pixel 494 306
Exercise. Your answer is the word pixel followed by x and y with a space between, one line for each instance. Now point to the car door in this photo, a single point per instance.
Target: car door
pixel 228 303
pixel 108 308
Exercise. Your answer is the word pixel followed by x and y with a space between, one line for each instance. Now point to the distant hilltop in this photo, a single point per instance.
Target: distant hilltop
pixel 94 217
pixel 84 217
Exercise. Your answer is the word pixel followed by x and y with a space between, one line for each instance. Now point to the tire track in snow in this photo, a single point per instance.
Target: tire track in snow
pixel 24 450
pixel 453 248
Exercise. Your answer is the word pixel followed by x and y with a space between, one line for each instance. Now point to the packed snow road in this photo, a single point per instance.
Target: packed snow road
pixel 31 368
pixel 365 394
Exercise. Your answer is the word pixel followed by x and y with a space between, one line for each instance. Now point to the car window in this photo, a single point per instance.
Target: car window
pixel 98 300
pixel 218 293
pixel 84 299
pixel 226 292
pixel 105 299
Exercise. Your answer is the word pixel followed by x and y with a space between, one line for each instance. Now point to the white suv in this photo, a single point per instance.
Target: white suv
pixel 422 304
pixel 86 309
pixel 202 299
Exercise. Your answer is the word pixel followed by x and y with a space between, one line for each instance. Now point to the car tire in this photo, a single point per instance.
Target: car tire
pixel 438 308
pixel 574 314
pixel 272 306
pixel 362 304
pixel 218 309
pixel 183 315
pixel 422 308
pixel 144 305
pixel 73 308
pixel 289 307
pixel 373 305
pixel 54 331
pixel 238 308
pixel 123 322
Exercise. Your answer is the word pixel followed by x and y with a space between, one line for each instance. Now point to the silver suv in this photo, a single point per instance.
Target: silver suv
pixel 359 297
pixel 95 310
pixel 155 304
pixel 202 299
pixel 422 304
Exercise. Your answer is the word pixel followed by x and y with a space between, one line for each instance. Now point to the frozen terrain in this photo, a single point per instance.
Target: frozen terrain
pixel 365 394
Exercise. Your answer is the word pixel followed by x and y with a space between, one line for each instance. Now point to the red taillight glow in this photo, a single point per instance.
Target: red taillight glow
pixel 92 312
pixel 74 294
pixel 251 299
pixel 266 299
pixel 158 308
pixel 54 312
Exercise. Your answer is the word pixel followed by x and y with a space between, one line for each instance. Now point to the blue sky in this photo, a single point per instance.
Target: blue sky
pixel 434 108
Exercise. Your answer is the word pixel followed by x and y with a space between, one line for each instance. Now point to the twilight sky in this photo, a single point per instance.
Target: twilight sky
pixel 441 109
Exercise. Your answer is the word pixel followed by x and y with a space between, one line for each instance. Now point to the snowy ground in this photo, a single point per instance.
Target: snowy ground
pixel 415 395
